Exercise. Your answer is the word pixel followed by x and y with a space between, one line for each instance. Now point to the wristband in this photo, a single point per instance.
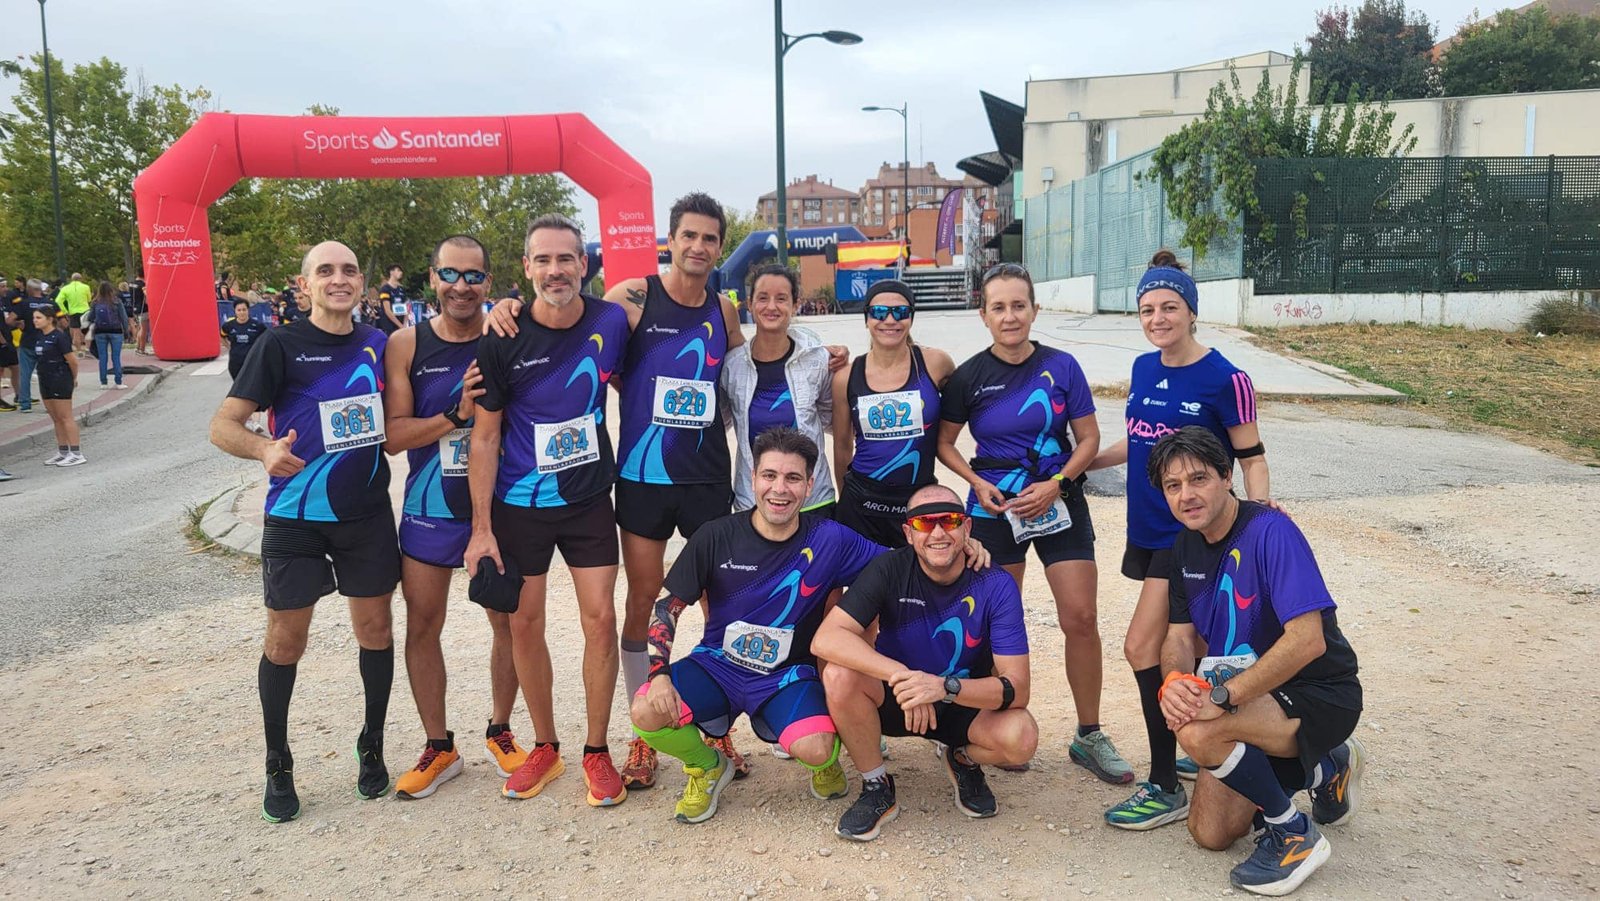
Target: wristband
pixel 1008 693
pixel 1179 675
pixel 1241 453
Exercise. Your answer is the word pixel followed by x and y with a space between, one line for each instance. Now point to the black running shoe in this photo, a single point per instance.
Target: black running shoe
pixel 280 804
pixel 876 806
pixel 1334 803
pixel 372 779
pixel 973 796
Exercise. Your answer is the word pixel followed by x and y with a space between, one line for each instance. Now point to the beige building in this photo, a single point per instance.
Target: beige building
pixel 812 202
pixel 1076 126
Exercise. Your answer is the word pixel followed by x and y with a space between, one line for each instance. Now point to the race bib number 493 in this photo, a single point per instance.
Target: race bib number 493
pixel 683 403
pixel 351 422
pixel 760 649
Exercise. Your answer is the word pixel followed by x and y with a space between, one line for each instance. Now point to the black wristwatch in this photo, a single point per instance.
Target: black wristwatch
pixel 454 415
pixel 1219 697
pixel 952 687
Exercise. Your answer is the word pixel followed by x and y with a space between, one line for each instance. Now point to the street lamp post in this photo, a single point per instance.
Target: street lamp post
pixel 905 184
pixel 55 178
pixel 781 45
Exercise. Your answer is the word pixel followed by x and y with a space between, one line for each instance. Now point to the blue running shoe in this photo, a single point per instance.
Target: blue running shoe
pixel 1149 807
pixel 1282 860
pixel 1098 755
pixel 1188 769
pixel 1334 803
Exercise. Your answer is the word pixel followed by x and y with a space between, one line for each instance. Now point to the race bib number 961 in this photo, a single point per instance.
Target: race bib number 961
pixel 351 422
pixel 683 403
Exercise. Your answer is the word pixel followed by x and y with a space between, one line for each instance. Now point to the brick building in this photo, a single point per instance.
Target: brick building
pixel 812 203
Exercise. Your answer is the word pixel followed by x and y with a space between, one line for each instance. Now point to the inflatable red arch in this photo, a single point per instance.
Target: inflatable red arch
pixel 175 193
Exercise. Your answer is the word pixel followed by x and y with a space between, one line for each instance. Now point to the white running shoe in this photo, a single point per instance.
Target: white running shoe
pixel 73 460
pixel 56 460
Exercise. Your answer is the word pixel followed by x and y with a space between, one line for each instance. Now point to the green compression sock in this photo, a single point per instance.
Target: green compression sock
pixel 832 758
pixel 682 742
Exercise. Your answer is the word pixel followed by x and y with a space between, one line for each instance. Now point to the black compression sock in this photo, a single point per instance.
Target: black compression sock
pixel 276 686
pixel 1087 728
pixel 596 749
pixel 1163 744
pixel 377 676
pixel 448 743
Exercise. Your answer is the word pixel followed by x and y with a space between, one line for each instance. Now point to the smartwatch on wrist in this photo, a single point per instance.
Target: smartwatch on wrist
pixel 952 687
pixel 454 415
pixel 1221 698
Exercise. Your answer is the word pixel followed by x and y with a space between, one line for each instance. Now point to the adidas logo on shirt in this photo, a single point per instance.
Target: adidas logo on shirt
pixel 1162 384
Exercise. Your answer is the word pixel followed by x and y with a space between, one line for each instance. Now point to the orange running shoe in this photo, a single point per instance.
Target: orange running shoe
pixel 434 768
pixel 504 750
pixel 605 786
pixel 542 765
pixel 640 770
pixel 741 767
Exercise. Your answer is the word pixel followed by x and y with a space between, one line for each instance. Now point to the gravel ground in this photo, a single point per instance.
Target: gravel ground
pixel 136 750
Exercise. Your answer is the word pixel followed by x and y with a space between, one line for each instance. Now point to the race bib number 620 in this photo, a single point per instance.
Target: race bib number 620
pixel 683 403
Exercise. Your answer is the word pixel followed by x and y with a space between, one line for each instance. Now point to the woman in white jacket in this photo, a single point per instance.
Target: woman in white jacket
pixel 780 377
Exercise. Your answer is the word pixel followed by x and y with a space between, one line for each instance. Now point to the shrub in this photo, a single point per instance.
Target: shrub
pixel 1567 314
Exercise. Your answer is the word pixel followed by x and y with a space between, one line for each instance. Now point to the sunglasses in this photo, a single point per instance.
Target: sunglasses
pixel 881 312
pixel 1005 270
pixel 470 276
pixel 947 521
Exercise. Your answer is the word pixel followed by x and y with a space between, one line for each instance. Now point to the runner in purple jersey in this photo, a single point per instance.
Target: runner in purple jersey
pixel 540 472
pixel 1181 383
pixel 1032 416
pixel 329 524
pixel 890 399
pixel 429 399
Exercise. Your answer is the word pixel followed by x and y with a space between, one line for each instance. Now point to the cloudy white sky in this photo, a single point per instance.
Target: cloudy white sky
pixel 686 87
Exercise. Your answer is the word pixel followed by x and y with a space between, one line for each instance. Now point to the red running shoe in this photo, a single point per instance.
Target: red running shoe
pixel 605 784
pixel 542 765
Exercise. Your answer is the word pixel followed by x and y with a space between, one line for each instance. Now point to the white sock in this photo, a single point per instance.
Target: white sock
pixel 635 665
pixel 876 774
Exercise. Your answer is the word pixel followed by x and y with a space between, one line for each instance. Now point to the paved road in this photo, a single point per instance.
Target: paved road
pixel 102 544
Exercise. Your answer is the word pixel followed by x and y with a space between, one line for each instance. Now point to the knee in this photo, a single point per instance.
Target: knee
pixel 1078 618
pixel 840 683
pixel 645 718
pixel 1141 650
pixel 813 749
pixel 1022 739
pixel 1201 742
pixel 526 622
pixel 284 650
pixel 1208 835
pixel 600 624
pixel 375 631
pixel 424 623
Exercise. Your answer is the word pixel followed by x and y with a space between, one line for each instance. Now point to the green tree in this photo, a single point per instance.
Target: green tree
pixel 1516 52
pixel 108 129
pixel 740 224
pixel 1208 167
pixel 1379 46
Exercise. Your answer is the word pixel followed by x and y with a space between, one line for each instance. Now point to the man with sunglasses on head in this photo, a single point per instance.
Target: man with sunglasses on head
pixel 949 663
pixel 540 474
pixel 429 400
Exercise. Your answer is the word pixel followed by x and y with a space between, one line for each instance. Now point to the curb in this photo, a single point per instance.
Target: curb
pixel 222 526
pixel 90 415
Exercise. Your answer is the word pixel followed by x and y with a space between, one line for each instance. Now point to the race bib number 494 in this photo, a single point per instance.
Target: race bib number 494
pixel 683 403
pixel 891 415
pixel 563 445
pixel 351 422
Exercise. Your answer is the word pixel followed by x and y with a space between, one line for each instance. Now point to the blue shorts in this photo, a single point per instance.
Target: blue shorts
pixel 435 540
pixel 784 706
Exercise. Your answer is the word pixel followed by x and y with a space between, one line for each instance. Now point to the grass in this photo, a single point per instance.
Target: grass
pixel 198 541
pixel 1546 390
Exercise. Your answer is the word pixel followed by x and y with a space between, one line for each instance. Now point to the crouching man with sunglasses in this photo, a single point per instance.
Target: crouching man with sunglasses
pixel 950 663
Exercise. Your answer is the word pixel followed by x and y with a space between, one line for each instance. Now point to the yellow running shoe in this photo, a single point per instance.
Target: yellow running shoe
pixel 699 801
pixel 828 783
pixel 434 768
pixel 504 750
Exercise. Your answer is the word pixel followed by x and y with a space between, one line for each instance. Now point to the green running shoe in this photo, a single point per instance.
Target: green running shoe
pixel 1150 807
pixel 699 801
pixel 1098 755
pixel 828 784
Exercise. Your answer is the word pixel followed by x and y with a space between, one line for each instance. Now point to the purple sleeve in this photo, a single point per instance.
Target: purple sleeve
pixel 855 553
pixel 953 399
pixel 1008 637
pixel 496 387
pixel 1293 580
pixel 687 579
pixel 1080 402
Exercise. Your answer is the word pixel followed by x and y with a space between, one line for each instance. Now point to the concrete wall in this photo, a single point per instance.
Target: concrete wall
pixel 1234 302
pixel 1562 123
pixel 1067 295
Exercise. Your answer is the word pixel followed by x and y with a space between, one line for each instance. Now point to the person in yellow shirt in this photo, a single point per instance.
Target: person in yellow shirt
pixel 74 302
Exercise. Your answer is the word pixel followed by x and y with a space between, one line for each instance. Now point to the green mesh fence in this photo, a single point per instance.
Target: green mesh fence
pixel 1109 224
pixel 1440 224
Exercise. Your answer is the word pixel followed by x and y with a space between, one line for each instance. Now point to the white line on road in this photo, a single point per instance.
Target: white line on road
pixel 215 367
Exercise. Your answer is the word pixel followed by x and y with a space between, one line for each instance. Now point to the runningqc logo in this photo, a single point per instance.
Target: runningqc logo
pixel 439 139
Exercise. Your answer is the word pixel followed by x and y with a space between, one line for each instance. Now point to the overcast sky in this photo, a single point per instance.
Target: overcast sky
pixel 686 87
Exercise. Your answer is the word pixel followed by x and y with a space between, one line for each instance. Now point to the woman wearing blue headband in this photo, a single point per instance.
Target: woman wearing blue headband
pixel 888 400
pixel 1032 416
pixel 1181 383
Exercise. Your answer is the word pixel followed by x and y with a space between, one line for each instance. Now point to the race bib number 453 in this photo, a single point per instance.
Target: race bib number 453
pixel 683 403
pixel 351 422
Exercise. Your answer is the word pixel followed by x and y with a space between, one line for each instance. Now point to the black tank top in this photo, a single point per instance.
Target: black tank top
pixel 894 441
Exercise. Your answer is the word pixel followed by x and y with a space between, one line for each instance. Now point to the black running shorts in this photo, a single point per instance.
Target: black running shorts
pixel 1140 563
pixel 585 532
pixel 1326 717
pixel 1074 543
pixel 652 511
pixel 302 560
pixel 954 721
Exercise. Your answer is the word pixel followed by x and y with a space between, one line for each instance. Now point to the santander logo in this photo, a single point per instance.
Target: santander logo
pixel 383 140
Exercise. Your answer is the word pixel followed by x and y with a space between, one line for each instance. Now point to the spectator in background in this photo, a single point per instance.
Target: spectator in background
pixel 20 315
pixel 110 324
pixel 8 351
pixel 58 376
pixel 139 308
pixel 243 333
pixel 73 301
pixel 393 309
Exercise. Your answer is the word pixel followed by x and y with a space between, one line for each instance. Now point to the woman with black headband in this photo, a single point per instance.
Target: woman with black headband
pixel 1180 383
pixel 1032 417
pixel 890 399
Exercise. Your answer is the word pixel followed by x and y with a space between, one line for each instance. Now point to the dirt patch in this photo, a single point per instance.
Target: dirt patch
pixel 1542 391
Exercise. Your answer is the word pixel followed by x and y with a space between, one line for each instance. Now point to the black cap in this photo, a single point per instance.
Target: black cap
pixel 892 286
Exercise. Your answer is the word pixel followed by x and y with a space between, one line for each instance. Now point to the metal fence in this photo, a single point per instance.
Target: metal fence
pixel 1109 224
pixel 1425 224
